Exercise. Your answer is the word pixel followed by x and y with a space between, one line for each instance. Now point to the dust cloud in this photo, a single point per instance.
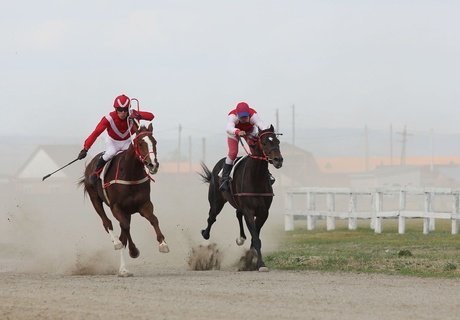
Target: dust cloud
pixel 49 227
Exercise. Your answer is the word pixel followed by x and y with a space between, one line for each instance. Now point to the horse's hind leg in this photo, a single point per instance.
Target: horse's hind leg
pixel 97 204
pixel 240 240
pixel 147 212
pixel 216 203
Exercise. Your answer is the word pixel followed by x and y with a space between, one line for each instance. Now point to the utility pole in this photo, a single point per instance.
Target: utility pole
pixel 432 150
pixel 178 147
pixel 277 116
pixel 203 155
pixel 293 125
pixel 189 153
pixel 366 141
pixel 391 145
pixel 403 149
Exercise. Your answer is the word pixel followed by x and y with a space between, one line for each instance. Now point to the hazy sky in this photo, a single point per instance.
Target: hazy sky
pixel 341 63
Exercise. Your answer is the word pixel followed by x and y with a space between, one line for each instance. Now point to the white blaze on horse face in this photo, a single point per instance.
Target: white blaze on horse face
pixel 150 146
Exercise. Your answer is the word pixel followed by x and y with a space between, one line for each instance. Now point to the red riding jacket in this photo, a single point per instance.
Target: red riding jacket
pixel 117 129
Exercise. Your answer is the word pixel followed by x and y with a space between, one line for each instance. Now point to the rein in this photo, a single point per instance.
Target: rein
pixel 125 182
pixel 263 158
pixel 138 153
pixel 139 156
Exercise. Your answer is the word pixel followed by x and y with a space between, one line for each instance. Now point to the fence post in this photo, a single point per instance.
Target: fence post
pixel 426 219
pixel 402 208
pixel 311 206
pixel 378 227
pixel 288 215
pixel 330 219
pixel 455 211
pixel 432 220
pixel 352 221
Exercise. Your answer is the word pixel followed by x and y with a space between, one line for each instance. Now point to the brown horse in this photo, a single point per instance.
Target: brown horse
pixel 251 193
pixel 126 190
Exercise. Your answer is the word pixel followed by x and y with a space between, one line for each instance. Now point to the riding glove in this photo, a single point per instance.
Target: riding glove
pixel 82 154
pixel 135 115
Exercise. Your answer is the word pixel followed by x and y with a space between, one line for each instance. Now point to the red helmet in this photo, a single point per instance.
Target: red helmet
pixel 122 102
pixel 242 109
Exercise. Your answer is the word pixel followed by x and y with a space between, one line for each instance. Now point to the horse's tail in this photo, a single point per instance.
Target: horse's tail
pixel 81 182
pixel 206 175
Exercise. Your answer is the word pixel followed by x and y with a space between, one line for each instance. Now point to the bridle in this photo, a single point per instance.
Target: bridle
pixel 142 158
pixel 264 156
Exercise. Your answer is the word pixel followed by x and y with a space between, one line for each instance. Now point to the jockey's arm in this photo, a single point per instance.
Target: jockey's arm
pixel 145 115
pixel 101 126
pixel 257 121
pixel 231 129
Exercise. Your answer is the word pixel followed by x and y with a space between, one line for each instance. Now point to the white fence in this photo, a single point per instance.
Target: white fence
pixel 306 202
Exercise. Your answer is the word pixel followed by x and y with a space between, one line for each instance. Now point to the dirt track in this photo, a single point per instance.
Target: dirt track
pixel 60 264
pixel 180 294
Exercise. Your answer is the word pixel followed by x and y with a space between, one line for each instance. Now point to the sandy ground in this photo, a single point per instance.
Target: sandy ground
pixel 181 294
pixel 56 262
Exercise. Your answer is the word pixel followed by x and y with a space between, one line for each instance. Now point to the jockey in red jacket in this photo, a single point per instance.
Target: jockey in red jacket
pixel 243 121
pixel 117 124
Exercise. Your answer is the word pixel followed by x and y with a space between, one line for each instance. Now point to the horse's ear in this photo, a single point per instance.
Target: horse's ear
pixel 150 128
pixel 272 129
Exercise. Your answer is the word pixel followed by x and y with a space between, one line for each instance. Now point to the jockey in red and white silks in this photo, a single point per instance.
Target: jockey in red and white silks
pixel 118 134
pixel 243 122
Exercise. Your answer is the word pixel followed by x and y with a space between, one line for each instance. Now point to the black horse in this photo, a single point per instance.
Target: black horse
pixel 251 193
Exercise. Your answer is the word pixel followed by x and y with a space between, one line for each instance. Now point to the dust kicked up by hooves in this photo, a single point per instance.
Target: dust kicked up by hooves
pixel 248 262
pixel 205 257
pixel 209 257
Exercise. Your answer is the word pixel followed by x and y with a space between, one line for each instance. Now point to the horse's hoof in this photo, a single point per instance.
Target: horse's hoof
pixel 263 269
pixel 124 273
pixel 118 245
pixel 164 247
pixel 240 241
pixel 205 234
pixel 134 253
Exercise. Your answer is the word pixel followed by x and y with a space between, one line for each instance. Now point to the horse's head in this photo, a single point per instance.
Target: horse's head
pixel 145 147
pixel 270 147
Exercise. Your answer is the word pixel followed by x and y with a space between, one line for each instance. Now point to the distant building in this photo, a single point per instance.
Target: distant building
pixel 300 168
pixel 44 160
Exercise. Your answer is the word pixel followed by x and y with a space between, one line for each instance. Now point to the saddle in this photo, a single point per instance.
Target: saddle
pixel 237 162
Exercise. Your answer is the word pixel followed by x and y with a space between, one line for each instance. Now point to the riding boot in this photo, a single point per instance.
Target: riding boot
pixel 271 178
pixel 224 186
pixel 99 165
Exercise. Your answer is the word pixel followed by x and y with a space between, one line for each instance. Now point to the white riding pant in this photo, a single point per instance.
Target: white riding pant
pixel 114 146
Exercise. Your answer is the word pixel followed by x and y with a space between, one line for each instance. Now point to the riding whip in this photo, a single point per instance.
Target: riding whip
pixel 59 169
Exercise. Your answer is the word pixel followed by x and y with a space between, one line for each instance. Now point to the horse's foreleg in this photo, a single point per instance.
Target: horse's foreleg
pixel 255 240
pixel 116 242
pixel 123 271
pixel 147 212
pixel 125 235
pixel 108 227
pixel 240 240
